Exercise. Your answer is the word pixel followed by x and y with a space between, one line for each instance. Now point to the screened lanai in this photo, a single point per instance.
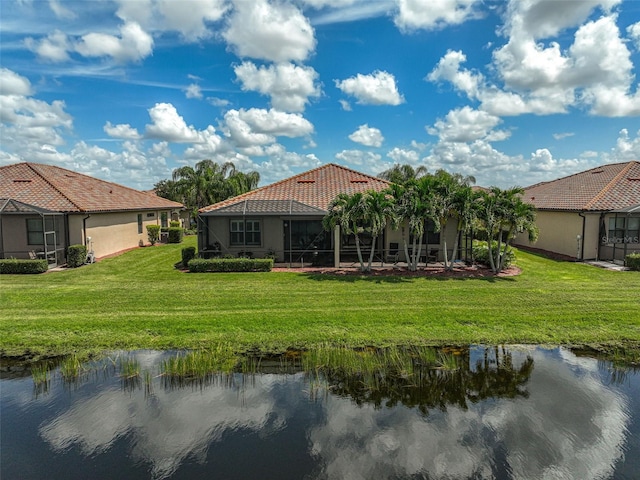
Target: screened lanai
pixel 27 231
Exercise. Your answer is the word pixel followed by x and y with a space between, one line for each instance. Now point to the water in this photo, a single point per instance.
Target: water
pixel 519 413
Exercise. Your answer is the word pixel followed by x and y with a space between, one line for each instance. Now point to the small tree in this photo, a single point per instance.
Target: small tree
pixel 153 233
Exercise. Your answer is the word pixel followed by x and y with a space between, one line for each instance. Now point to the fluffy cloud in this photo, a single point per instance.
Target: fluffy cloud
pixel 168 125
pixel 276 32
pixel 467 125
pixel 12 83
pixel 288 85
pixel 403 156
pixel 368 136
pixel 134 44
pixel 54 48
pixel 369 160
pixel 634 34
pixel 256 126
pixel 433 14
pixel 378 88
pixel 189 17
pixel 193 91
pixel 124 131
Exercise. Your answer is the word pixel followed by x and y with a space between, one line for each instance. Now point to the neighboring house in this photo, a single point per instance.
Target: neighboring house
pixel 284 220
pixel 44 209
pixel 593 214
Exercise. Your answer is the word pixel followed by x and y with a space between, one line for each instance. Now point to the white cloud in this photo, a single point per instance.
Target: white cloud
pixel 60 11
pixel 12 83
pixel 626 148
pixel 378 88
pixel 562 136
pixel 403 156
pixel 368 136
pixel 193 91
pixel 189 17
pixel 168 125
pixel 218 102
pixel 134 44
pixel 209 144
pixel 369 160
pixel 433 14
pixel 54 48
pixel 467 125
pixel 346 106
pixel 319 4
pixel 288 85
pixel 276 32
pixel 124 131
pixel 634 34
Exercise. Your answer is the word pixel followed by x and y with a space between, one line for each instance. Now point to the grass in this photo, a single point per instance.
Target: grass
pixel 139 300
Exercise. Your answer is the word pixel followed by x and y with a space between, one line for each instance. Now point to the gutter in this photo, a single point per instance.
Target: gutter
pixel 84 227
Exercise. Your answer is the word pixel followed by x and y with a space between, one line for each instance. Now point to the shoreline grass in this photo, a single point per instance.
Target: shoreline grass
pixel 138 300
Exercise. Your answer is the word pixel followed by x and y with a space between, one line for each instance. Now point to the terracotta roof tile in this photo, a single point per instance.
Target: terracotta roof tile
pixel 603 188
pixel 315 188
pixel 61 190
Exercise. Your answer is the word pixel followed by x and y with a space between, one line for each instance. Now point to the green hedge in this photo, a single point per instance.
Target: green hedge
pixel 15 265
pixel 481 253
pixel 188 254
pixel 632 261
pixel 76 255
pixel 175 235
pixel 199 265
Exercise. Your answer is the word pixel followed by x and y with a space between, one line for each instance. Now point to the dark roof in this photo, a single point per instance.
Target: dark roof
pixel 60 190
pixel 9 205
pixel 307 193
pixel 608 187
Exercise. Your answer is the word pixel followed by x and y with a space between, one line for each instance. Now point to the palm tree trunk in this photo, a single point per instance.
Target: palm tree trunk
pixel 455 248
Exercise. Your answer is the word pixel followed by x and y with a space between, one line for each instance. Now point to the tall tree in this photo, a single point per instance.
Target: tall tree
pixel 402 174
pixel 348 212
pixel 377 211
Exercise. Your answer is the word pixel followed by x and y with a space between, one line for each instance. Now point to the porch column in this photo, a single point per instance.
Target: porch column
pixel 336 244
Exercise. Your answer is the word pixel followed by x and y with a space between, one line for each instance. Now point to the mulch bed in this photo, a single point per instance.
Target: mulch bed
pixel 473 271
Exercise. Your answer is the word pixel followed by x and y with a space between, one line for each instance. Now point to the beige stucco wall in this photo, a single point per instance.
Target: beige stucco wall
pixel 112 232
pixel 558 233
pixel 449 233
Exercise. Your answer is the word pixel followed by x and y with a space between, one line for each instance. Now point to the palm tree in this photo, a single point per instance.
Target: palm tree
pixel 377 210
pixel 347 212
pixel 446 187
pixel 402 174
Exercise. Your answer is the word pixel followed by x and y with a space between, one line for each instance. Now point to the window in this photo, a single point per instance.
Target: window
pixel 151 215
pixel 429 233
pixel 164 220
pixel 619 234
pixel 306 235
pixel 35 232
pixel 245 232
pixel 139 223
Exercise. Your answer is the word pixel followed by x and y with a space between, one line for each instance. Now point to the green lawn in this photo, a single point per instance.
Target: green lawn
pixel 138 300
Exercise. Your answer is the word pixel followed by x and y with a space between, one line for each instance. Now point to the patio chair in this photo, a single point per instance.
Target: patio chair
pixel 393 254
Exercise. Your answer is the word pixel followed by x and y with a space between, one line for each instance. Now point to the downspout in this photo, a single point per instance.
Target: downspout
pixel 84 228
pixel 584 219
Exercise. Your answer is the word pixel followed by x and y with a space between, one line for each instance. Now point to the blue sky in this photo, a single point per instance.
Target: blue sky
pixel 512 93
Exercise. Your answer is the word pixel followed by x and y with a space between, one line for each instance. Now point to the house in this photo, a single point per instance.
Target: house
pixel 284 220
pixel 44 209
pixel 590 215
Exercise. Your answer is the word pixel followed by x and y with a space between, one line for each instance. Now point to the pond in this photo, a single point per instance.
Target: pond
pixel 470 413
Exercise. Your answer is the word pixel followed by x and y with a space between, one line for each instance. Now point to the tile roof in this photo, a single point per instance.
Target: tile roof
pixel 61 190
pixel 608 187
pixel 314 189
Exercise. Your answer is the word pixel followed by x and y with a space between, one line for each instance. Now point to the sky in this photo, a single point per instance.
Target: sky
pixel 510 92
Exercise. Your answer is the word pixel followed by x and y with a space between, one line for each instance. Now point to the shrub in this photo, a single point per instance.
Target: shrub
pixel 188 253
pixel 175 235
pixel 199 265
pixel 15 265
pixel 153 233
pixel 481 253
pixel 174 224
pixel 632 261
pixel 76 255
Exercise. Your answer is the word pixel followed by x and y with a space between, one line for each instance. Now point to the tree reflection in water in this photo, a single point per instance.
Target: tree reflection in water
pixel 425 378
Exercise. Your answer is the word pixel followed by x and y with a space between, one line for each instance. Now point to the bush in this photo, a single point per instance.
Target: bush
pixel 632 261
pixel 76 255
pixel 15 265
pixel 188 253
pixel 153 233
pixel 199 265
pixel 175 235
pixel 174 224
pixel 481 253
